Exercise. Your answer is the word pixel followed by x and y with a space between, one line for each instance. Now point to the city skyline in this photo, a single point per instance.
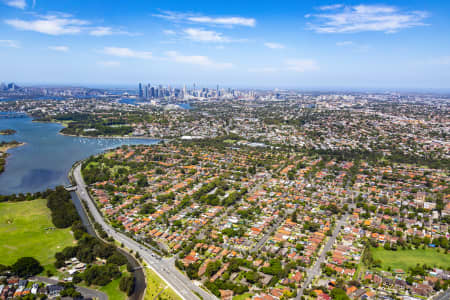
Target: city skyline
pixel 351 44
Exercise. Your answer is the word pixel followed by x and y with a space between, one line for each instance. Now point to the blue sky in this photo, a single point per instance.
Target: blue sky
pixel 300 44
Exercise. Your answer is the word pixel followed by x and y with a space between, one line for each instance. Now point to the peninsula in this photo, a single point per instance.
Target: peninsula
pixel 7 132
pixel 4 147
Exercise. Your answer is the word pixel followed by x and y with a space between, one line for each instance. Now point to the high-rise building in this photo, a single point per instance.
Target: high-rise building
pixel 152 92
pixel 146 91
pixel 141 92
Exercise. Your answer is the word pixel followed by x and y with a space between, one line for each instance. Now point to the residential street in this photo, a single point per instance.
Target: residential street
pixel 266 236
pixel 315 269
pixel 165 268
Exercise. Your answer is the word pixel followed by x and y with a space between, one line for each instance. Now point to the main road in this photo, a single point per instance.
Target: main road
pixel 164 267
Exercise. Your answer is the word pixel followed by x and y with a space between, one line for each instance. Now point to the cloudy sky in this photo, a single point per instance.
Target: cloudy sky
pixel 302 44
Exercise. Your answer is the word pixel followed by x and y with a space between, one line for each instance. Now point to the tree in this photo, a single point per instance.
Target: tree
pixel 101 275
pixel 339 294
pixel 26 267
pixel 126 284
pixel 252 276
pixel 294 216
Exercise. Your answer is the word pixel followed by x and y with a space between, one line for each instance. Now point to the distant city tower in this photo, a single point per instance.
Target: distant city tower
pixel 141 92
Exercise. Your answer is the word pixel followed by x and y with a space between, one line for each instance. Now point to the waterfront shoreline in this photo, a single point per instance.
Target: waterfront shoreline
pixel 100 136
pixel 5 148
pixel 48 156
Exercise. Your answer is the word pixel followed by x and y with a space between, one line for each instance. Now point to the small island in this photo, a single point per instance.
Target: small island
pixel 5 146
pixel 7 132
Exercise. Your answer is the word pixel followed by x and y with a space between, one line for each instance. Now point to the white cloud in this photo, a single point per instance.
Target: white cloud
pixel 442 61
pixel 127 52
pixel 101 31
pixel 108 63
pixel 301 65
pixel 9 43
pixel 206 20
pixel 353 46
pixel 201 35
pixel 51 24
pixel 60 24
pixel 59 48
pixel 228 21
pixel 169 32
pixel 21 4
pixel 199 60
pixel 105 30
pixel 344 43
pixel 274 45
pixel 264 70
pixel 330 7
pixel 359 18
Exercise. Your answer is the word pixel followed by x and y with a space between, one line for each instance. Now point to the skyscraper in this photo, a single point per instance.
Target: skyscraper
pixel 146 96
pixel 141 92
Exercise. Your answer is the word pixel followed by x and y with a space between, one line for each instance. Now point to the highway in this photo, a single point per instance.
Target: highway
pixel 164 267
pixel 315 270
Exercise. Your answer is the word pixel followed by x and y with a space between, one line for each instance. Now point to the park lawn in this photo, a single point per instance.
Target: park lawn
pixel 113 291
pixel 64 123
pixel 26 229
pixel 92 164
pixel 229 141
pixel 243 296
pixel 112 288
pixel 155 285
pixel 110 154
pixel 403 259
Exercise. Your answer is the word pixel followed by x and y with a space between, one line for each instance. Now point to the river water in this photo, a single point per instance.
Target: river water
pixel 46 158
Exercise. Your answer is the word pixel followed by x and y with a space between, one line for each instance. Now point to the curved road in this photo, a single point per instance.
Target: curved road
pixel 86 292
pixel 139 276
pixel 165 268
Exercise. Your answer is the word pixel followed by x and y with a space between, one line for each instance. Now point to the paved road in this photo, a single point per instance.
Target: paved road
pixel 165 268
pixel 264 239
pixel 443 296
pixel 315 269
pixel 139 276
pixel 87 293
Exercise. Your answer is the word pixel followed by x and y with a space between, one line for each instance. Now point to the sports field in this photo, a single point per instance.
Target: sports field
pixel 403 259
pixel 26 229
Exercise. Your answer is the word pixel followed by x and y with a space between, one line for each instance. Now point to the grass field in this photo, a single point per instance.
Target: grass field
pixel 243 296
pixel 112 290
pixel 403 259
pixel 24 231
pixel 155 285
